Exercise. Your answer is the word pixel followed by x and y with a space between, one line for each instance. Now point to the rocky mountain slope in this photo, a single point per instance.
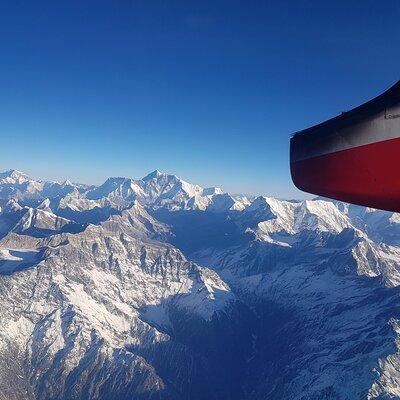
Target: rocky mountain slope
pixel 159 289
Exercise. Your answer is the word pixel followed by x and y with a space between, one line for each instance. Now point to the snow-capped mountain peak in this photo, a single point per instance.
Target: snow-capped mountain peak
pixel 13 176
pixel 156 174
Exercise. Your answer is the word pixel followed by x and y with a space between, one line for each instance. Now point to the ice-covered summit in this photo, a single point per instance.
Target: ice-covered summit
pixel 157 189
pixel 13 176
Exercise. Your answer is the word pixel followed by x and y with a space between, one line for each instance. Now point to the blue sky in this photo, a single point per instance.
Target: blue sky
pixel 208 90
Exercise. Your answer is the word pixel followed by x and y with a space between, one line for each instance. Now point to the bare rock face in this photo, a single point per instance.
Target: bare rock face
pixel 159 289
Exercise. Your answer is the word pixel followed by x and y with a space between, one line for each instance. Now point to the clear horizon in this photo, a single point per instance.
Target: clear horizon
pixel 209 91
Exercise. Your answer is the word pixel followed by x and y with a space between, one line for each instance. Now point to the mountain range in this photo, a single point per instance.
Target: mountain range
pixel 156 288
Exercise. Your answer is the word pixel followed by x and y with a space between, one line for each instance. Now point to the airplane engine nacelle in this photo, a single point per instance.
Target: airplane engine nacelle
pixel 354 157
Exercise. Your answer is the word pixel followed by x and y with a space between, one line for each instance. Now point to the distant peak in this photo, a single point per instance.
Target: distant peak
pixel 260 200
pixel 13 174
pixel 153 175
pixel 67 182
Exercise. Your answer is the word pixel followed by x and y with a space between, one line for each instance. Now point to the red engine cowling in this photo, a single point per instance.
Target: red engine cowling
pixel 354 157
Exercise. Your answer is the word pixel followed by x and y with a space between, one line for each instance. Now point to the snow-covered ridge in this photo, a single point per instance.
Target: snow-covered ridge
pixel 151 287
pixel 156 189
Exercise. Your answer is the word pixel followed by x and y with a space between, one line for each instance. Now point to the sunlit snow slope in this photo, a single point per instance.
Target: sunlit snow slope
pixel 156 288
